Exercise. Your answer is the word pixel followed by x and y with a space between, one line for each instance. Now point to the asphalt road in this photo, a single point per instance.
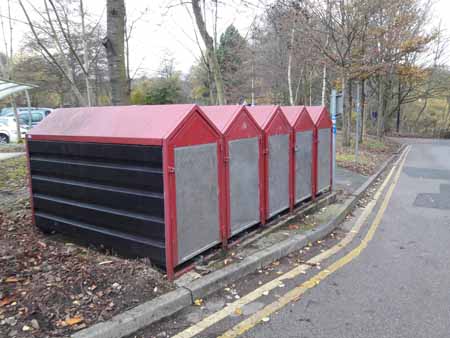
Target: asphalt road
pixel 400 284
pixel 397 285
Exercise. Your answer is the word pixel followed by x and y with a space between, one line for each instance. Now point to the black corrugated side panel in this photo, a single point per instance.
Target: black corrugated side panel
pixel 105 194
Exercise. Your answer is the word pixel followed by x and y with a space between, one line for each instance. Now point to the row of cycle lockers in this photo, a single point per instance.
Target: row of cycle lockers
pixel 169 182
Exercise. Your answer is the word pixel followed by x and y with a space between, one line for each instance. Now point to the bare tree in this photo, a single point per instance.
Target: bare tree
pixel 58 45
pixel 130 25
pixel 211 50
pixel 7 68
pixel 115 50
pixel 289 71
pixel 85 54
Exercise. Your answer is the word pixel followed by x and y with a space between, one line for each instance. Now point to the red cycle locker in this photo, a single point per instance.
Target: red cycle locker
pixel 243 167
pixel 277 145
pixel 142 180
pixel 322 148
pixel 302 154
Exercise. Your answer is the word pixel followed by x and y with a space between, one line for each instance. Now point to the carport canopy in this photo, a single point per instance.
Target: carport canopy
pixel 8 88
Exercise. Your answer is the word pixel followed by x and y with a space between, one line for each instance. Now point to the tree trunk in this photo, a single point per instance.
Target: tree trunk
pixel 212 99
pixel 362 133
pixel 115 51
pixel 211 51
pixel 290 52
pixel 324 85
pixel 381 106
pixel 348 120
pixel 399 109
pixel 345 134
pixel 447 117
pixel 16 116
pixel 85 55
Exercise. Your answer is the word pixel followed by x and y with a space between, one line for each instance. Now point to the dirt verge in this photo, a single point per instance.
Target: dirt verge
pixel 372 153
pixel 51 287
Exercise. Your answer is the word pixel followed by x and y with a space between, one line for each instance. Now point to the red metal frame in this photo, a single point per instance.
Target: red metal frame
pixel 172 130
pixel 182 136
pixel 235 122
pixel 321 118
pixel 272 121
pixel 299 120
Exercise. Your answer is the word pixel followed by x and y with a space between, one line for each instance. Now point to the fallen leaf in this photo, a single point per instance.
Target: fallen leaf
pixel 74 320
pixel 42 244
pixel 293 227
pixel 11 280
pixel 6 301
pixel 105 262
pixel 265 319
pixel 198 302
pixel 238 311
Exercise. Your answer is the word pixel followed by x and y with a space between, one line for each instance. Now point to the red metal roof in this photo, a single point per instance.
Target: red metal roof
pixel 298 117
pixel 262 114
pixel 315 112
pixel 222 116
pixel 151 122
pixel 320 116
pixel 292 113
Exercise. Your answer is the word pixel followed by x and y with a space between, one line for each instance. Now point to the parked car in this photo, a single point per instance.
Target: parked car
pixel 37 115
pixel 8 111
pixel 8 130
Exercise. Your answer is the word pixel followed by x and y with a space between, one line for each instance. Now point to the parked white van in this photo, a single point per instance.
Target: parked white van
pixel 8 130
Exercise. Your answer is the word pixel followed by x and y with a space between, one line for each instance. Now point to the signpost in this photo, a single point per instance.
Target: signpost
pixel 333 107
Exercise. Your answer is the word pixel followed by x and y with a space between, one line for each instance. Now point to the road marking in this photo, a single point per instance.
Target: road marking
pixel 295 294
pixel 300 269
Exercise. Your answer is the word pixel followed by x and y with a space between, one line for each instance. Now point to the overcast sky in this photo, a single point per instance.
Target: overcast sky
pixel 163 31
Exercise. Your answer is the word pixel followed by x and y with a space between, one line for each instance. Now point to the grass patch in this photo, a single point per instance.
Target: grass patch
pixel 13 173
pixel 372 153
pixel 375 145
pixel 350 157
pixel 12 148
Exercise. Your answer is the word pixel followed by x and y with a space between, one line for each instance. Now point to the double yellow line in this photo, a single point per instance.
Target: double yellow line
pixel 295 293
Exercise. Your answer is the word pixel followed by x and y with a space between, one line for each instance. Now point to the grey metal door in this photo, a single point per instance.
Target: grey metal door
pixel 323 161
pixel 244 183
pixel 197 199
pixel 303 165
pixel 278 173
